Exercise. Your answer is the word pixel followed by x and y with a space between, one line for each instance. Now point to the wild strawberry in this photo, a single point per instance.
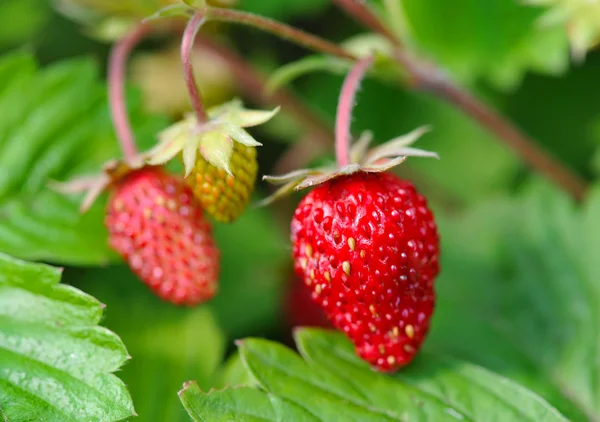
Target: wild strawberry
pixel 224 195
pixel 158 227
pixel 300 309
pixel 367 245
pixel 223 175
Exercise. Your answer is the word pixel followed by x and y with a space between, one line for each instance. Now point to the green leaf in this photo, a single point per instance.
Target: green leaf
pixel 234 374
pixel 430 378
pixel 56 363
pixel 242 404
pixel 499 40
pixel 50 131
pixel 330 383
pixel 519 294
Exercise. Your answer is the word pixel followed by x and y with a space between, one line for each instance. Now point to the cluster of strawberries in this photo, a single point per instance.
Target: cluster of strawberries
pixel 156 220
pixel 365 244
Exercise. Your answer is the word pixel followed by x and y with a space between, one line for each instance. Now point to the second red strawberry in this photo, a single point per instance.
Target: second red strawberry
pixel 158 227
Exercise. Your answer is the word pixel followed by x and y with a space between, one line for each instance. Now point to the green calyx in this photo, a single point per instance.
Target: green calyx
pixel 213 139
pixel 376 160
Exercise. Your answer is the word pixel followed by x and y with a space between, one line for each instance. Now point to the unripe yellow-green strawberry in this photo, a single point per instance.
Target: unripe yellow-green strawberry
pixel 222 195
pixel 223 175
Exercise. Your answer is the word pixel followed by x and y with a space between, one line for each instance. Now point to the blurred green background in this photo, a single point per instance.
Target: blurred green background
pixel 496 48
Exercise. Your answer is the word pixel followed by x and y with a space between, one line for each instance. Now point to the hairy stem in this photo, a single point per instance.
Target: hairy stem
pixel 343 119
pixel 282 30
pixel 187 45
pixel 116 89
pixel 430 77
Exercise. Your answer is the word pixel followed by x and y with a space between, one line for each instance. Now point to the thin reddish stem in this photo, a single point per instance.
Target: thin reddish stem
pixel 187 45
pixel 344 112
pixel 117 69
pixel 280 29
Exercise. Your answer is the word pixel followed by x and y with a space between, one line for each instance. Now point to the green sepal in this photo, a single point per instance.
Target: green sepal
pixel 217 147
pixel 233 112
pixel 377 160
pixel 214 139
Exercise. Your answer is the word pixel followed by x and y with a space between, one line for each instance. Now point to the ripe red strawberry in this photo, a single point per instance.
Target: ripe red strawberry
pixel 157 226
pixel 367 245
pixel 300 309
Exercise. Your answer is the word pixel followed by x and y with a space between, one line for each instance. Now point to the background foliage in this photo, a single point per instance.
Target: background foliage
pixel 519 293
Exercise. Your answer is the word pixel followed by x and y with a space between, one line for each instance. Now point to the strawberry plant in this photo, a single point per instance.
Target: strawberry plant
pixel 210 228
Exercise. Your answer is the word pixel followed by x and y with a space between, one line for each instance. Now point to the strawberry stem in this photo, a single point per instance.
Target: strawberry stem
pixel 187 45
pixel 116 89
pixel 344 111
pixel 277 28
